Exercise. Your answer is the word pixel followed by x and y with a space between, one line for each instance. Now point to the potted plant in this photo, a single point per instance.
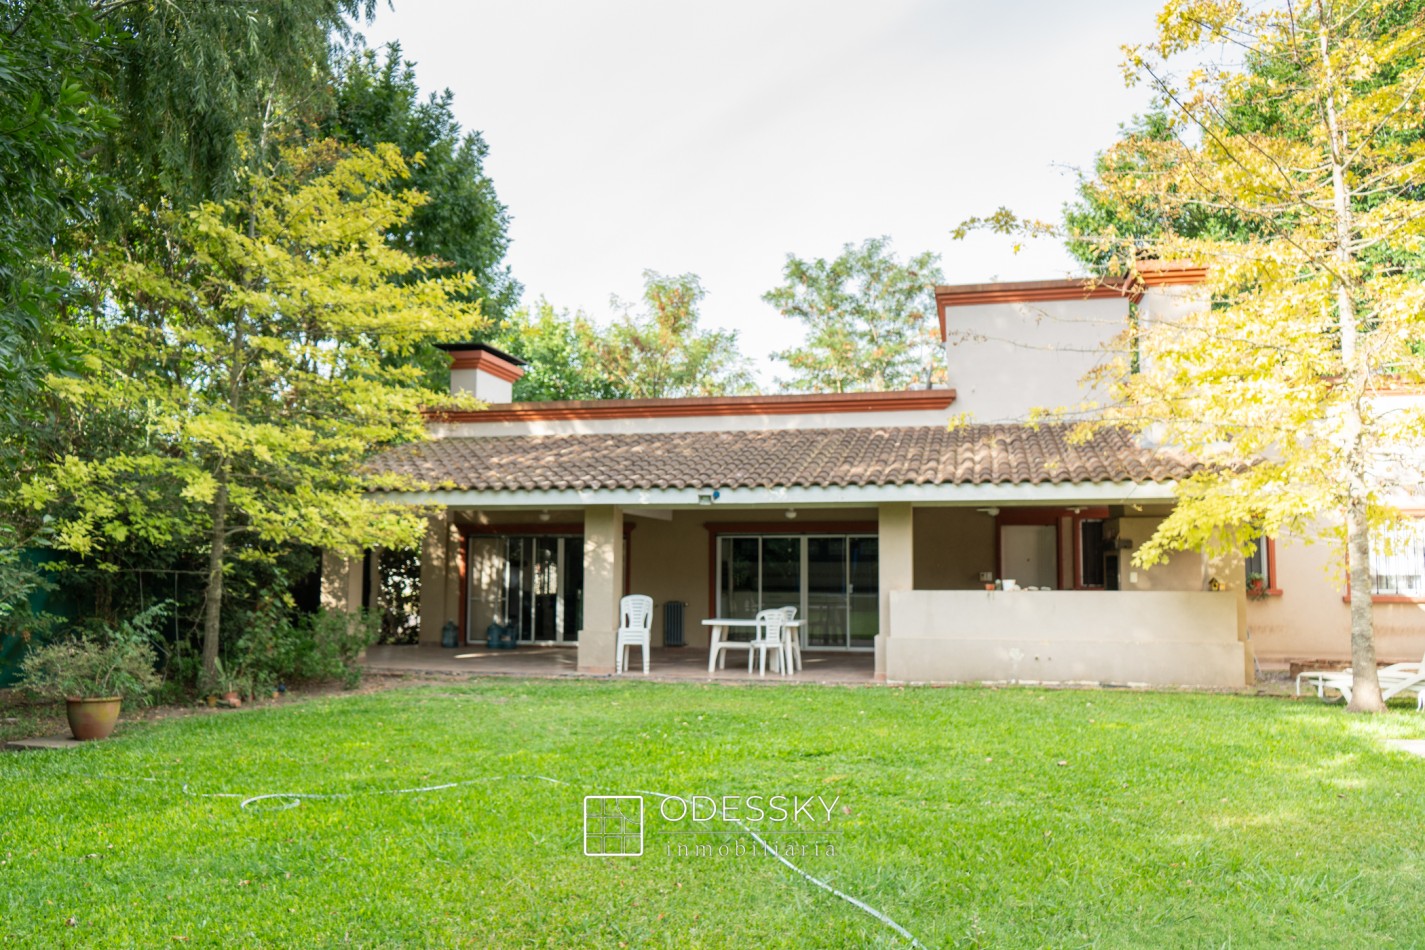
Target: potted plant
pixel 95 671
pixel 1256 586
pixel 225 685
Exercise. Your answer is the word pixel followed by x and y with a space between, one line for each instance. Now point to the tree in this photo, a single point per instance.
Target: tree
pixel 252 359
pixel 1317 313
pixel 563 355
pixel 661 353
pixel 462 221
pixel 202 88
pixel 1103 229
pixel 49 120
pixel 870 320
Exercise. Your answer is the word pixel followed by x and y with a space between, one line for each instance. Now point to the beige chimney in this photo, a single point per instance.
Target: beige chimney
pixel 482 371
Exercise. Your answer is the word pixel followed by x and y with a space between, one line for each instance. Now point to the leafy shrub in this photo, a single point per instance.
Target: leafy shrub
pixel 338 641
pixel 323 646
pixel 106 660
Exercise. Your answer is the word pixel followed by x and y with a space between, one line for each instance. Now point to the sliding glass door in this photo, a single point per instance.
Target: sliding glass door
pixel 535 584
pixel 832 580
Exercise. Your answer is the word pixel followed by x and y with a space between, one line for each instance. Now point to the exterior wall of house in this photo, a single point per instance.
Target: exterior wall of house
pixel 1184 570
pixel 1006 359
pixel 1157 638
pixel 1310 620
pixel 952 547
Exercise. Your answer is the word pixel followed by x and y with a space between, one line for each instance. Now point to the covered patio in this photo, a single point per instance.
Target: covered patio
pixel 666 664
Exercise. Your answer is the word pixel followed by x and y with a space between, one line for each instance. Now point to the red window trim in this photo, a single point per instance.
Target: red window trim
pixel 1271 589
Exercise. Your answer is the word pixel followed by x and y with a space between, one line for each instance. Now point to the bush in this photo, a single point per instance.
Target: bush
pixel 323 646
pixel 338 642
pixel 108 660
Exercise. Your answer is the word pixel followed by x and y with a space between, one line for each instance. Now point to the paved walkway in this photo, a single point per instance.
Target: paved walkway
pixel 666 664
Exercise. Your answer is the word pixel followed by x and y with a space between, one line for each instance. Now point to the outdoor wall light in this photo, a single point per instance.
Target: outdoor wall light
pixel 791 513
pixel 544 515
pixel 992 512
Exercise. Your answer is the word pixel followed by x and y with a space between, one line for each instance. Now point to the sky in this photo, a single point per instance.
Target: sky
pixel 718 138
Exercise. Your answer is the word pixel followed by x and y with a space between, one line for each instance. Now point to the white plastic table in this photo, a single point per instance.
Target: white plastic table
pixel 717 646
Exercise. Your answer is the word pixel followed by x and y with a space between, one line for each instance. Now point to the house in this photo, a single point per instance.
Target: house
pixel 886 528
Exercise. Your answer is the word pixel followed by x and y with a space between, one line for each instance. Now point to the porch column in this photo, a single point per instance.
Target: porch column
pixel 341 583
pixel 603 586
pixel 897 564
pixel 1231 569
pixel 436 565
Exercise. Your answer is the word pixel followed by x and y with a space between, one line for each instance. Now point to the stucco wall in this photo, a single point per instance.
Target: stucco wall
pixel 1184 570
pixel 1311 621
pixel 1005 359
pixel 952 547
pixel 1159 638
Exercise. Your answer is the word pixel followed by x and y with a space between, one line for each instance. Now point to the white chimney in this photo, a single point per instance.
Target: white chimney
pixel 482 371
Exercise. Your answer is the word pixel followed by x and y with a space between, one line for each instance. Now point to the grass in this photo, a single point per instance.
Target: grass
pixel 973 817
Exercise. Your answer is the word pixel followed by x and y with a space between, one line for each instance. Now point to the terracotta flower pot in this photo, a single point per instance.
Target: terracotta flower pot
pixel 91 718
pixel 232 698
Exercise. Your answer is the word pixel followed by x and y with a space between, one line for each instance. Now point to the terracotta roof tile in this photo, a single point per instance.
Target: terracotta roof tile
pixel 921 455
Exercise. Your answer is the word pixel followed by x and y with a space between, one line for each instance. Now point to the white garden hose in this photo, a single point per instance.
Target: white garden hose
pixel 293 799
pixel 854 902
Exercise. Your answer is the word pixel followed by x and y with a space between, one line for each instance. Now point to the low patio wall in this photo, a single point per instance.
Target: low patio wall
pixel 1155 638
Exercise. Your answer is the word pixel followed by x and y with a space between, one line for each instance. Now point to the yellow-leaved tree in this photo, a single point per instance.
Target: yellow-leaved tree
pixel 1288 159
pixel 261 356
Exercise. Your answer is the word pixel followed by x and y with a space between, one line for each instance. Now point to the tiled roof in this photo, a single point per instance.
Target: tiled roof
pixel 920 455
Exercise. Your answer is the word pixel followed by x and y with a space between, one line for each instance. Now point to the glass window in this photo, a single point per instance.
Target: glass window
pixel 1258 565
pixel 833 581
pixel 1398 561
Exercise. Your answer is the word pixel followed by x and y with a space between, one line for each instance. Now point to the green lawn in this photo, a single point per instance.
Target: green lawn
pixel 1012 817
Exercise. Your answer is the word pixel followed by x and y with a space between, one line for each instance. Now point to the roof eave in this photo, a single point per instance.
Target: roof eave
pixel 1009 493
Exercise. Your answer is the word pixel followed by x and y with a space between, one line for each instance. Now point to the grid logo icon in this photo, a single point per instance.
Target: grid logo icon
pixel 613 826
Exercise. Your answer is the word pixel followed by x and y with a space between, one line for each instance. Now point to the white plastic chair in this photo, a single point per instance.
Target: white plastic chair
pixel 794 639
pixel 770 624
pixel 635 629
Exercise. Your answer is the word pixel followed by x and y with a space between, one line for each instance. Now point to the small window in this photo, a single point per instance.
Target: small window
pixel 1260 567
pixel 1398 561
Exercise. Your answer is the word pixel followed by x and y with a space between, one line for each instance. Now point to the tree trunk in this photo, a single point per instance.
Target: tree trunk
pixel 213 608
pixel 1365 683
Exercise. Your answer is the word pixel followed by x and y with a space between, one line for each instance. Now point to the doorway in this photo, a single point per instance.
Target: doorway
pixel 533 583
pixel 1029 554
pixel 832 580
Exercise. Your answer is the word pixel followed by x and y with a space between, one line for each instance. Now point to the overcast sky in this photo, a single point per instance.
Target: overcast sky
pixel 718 138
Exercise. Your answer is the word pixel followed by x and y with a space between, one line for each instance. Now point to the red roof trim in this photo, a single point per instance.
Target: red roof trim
pixel 910 401
pixel 1150 274
pixel 966 295
pixel 486 362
